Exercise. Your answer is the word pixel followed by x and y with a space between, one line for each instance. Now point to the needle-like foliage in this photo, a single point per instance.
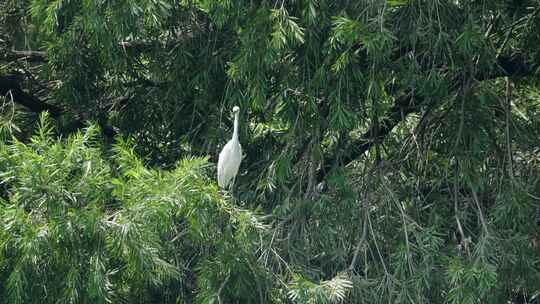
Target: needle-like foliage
pixel 391 151
pixel 77 228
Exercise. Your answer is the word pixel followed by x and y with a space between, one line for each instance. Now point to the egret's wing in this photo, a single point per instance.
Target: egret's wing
pixel 226 165
pixel 235 159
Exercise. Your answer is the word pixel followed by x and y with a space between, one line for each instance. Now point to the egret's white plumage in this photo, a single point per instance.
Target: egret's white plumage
pixel 230 157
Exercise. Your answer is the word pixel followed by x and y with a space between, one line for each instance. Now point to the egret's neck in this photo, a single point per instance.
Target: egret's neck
pixel 235 132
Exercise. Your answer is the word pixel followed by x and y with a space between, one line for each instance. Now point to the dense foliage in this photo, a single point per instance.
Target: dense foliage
pixel 391 151
pixel 85 230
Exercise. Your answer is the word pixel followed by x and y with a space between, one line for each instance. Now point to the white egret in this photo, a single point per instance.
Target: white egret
pixel 230 157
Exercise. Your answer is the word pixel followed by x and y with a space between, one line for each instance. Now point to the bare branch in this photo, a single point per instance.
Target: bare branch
pixel 31 56
pixel 10 85
pixel 510 66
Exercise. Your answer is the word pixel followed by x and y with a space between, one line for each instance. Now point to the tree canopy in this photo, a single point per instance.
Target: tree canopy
pixel 391 151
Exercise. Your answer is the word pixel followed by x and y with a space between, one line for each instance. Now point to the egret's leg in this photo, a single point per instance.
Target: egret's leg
pixel 231 185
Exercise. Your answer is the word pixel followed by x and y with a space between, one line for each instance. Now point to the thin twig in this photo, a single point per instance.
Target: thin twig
pixel 507 110
pixel 456 214
pixel 506 39
pixel 363 237
pixel 403 220
pixel 221 288
pixel 480 213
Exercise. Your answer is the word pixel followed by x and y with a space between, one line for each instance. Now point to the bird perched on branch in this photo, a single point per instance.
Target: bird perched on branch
pixel 230 157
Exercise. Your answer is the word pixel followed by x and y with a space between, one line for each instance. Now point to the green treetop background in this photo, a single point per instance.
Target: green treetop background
pixel 392 151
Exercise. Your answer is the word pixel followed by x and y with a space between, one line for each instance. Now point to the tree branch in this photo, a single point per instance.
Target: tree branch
pixel 509 66
pixel 31 56
pixel 9 84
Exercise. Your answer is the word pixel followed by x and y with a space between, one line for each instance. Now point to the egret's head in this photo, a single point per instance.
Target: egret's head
pixel 236 109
